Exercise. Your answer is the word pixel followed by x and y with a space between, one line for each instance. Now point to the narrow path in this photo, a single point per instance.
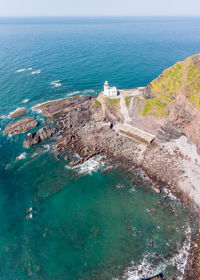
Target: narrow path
pixel 124 110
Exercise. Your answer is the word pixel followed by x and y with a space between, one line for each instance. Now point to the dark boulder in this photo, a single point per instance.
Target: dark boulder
pixel 42 134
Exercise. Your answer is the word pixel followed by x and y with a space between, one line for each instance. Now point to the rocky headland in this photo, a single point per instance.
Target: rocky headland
pixel 155 129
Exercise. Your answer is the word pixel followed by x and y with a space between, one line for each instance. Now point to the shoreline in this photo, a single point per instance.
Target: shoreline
pixel 90 129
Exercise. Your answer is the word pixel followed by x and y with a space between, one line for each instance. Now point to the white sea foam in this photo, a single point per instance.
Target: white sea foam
pixel 25 100
pixel 21 70
pixel 89 166
pixel 73 93
pixel 18 108
pixel 56 83
pixel 145 268
pixel 169 194
pixel 88 91
pixel 47 147
pixel 35 107
pixel 36 72
pixel 22 156
pixel 2 117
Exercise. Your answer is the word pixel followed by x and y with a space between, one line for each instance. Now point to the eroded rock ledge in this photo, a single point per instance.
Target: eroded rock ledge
pixel 21 126
pixel 42 134
pixel 18 112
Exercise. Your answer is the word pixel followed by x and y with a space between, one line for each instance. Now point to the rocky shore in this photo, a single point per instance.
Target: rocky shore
pixel 92 126
pixel 81 126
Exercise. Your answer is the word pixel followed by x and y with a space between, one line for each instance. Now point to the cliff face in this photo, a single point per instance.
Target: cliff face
pixel 178 89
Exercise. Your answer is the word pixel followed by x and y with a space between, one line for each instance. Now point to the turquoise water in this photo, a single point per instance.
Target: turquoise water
pixel 83 227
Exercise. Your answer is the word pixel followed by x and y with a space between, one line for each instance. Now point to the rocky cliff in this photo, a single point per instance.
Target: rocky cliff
pixel 177 90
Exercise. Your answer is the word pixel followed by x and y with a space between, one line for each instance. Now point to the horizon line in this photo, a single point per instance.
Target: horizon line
pixel 90 16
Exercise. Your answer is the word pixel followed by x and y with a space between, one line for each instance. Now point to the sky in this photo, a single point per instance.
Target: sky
pixel 99 7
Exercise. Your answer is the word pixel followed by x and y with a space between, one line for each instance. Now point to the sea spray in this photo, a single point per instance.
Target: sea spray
pixel 89 166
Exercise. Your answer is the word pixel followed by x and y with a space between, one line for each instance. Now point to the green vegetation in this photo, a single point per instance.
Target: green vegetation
pixel 183 77
pixel 96 103
pixel 127 100
pixel 192 85
pixel 155 108
pixel 113 101
pixel 168 84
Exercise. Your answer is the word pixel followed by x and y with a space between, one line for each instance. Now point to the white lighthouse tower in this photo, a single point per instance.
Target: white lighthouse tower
pixel 109 91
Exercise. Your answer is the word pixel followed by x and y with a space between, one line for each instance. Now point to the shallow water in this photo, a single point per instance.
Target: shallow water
pixel 83 227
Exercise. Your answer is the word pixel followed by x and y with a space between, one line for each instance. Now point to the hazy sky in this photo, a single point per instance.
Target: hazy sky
pixel 98 7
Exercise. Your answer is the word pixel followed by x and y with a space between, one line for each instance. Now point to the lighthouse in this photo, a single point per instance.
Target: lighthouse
pixel 109 91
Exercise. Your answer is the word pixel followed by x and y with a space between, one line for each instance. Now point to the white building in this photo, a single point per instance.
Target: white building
pixel 109 91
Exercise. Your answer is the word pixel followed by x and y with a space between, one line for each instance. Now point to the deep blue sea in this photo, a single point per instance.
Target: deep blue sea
pixel 83 227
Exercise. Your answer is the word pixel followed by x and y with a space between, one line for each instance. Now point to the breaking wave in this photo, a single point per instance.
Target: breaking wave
pixel 2 117
pixel 56 83
pixel 25 100
pixel 36 72
pixel 21 70
pixel 73 93
pixel 22 156
pixel 88 91
pixel 89 166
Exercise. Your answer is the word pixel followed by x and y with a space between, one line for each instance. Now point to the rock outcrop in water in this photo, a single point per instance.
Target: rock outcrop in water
pixel 23 125
pixel 18 112
pixel 56 108
pixel 42 134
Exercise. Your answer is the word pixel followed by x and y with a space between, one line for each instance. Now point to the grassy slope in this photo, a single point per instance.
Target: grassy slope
pixel 154 108
pixel 182 77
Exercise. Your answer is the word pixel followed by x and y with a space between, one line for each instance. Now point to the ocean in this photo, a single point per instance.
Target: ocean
pixel 82 226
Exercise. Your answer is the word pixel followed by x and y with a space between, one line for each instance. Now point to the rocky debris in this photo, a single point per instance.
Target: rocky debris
pixel 42 134
pixel 23 125
pixel 18 112
pixel 156 190
pixel 169 132
pixel 193 267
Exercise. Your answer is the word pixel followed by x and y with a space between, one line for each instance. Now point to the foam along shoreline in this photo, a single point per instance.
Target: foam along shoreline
pixel 144 269
pixel 17 112
pixel 88 167
pixel 86 132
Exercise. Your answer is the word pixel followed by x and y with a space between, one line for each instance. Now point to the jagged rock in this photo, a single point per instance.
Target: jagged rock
pixel 169 132
pixel 66 158
pixel 23 125
pixel 18 112
pixel 42 134
pixel 31 139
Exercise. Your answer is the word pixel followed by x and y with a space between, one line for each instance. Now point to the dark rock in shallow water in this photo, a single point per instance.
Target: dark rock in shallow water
pixel 23 125
pixel 42 134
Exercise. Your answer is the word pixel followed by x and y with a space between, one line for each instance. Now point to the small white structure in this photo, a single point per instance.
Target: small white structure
pixel 109 91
